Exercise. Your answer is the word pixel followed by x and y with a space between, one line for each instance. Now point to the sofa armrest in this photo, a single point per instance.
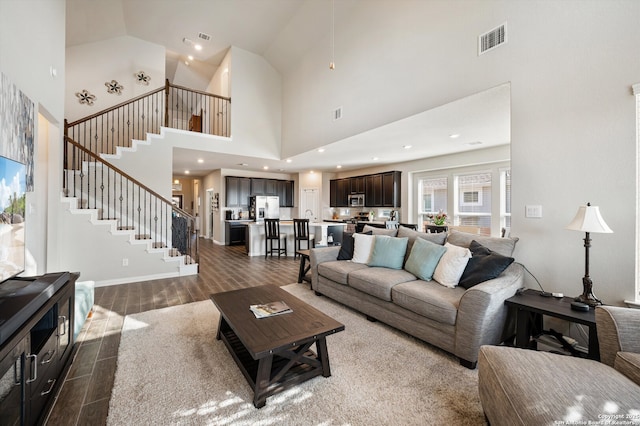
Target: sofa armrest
pixel 617 331
pixel 482 312
pixel 318 256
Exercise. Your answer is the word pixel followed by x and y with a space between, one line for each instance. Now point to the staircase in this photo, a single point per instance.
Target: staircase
pixel 112 198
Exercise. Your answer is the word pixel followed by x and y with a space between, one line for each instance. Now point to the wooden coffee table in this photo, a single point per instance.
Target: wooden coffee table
pixel 274 353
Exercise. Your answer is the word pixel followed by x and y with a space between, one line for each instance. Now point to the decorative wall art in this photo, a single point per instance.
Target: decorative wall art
pixel 17 115
pixel 85 97
pixel 114 87
pixel 142 78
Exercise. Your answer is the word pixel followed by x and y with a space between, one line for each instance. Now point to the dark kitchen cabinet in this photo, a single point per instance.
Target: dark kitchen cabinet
pixel 357 185
pixel 373 191
pixel 258 186
pixel 237 191
pixel 344 189
pixel 235 232
pixel 391 189
pixel 285 192
pixel 271 187
pixel 380 190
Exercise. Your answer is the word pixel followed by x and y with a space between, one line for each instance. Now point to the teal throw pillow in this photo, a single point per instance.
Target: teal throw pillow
pixel 424 258
pixel 388 252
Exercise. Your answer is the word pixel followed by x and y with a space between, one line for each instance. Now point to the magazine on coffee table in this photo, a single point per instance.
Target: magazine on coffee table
pixel 270 309
pixel 266 310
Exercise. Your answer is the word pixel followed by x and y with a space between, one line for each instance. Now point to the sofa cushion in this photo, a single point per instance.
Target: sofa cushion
pixel 451 265
pixel 484 265
pixel 403 231
pixel 424 258
pixel 338 270
pixel 346 248
pixel 380 231
pixel 362 247
pixel 504 246
pixel 628 363
pixel 429 299
pixel 377 281
pixel 388 252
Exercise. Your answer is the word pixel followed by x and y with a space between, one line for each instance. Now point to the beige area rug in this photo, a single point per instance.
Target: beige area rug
pixel 172 370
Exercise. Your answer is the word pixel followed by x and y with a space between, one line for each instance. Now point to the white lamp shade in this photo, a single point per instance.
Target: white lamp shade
pixel 588 219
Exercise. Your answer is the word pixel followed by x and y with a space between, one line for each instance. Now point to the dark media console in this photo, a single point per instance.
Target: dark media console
pixel 36 343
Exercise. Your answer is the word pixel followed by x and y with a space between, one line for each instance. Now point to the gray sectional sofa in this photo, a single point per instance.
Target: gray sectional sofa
pixel 457 320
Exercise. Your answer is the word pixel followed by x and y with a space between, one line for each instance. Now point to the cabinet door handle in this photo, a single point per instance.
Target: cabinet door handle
pixel 46 360
pixel 52 383
pixel 64 325
pixel 16 371
pixel 34 368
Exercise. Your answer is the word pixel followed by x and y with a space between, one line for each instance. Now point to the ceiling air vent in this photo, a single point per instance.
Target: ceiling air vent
pixel 337 113
pixel 492 39
pixel 204 36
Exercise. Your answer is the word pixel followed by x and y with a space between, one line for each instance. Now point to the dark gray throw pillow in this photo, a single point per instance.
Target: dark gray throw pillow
pixel 346 247
pixel 484 265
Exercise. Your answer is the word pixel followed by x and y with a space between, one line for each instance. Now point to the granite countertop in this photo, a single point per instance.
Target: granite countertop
pixel 238 220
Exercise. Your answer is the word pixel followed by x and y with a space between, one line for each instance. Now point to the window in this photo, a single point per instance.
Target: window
pixel 433 197
pixel 505 200
pixel 473 207
pixel 477 198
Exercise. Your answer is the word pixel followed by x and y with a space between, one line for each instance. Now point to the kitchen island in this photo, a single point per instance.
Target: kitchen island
pixel 322 230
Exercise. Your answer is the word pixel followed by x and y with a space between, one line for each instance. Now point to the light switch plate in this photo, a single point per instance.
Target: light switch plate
pixel 533 211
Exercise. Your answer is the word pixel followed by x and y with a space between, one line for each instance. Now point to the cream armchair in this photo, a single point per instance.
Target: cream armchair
pixel 525 387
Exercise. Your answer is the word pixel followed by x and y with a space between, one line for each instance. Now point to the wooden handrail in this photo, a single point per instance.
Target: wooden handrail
pixel 127 176
pixel 199 92
pixel 120 105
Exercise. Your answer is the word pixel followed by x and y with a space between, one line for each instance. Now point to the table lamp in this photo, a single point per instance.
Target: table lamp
pixel 588 220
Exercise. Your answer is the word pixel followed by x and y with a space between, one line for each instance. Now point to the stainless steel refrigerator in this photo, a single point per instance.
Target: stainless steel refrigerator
pixel 263 207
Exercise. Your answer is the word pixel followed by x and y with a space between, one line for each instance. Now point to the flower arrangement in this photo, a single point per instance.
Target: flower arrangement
pixel 439 218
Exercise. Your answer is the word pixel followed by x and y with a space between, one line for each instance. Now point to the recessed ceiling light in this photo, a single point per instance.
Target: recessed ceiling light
pixel 407 146
pixel 197 47
pixel 454 135
pixel 289 160
pixel 474 143
pixel 176 181
pixel 311 171
pixel 320 149
pixel 375 158
pixel 186 172
pixel 200 160
pixel 338 166
pixel 186 63
pixel 266 167
pixel 190 57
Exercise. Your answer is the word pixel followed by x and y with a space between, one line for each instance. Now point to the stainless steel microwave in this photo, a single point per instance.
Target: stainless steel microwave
pixel 356 200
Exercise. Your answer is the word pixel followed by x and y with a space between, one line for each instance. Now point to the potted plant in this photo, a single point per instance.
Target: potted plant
pixel 438 219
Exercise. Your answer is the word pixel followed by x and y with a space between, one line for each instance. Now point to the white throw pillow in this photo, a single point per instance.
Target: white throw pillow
pixel 362 247
pixel 451 265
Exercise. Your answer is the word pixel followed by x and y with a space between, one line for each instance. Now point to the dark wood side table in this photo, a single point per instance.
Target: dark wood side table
pixel 530 308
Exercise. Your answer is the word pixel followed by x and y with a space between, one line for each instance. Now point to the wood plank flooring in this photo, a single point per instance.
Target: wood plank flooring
pixel 84 397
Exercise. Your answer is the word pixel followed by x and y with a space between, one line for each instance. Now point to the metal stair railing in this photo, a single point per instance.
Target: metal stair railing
pixel 116 195
pixel 169 106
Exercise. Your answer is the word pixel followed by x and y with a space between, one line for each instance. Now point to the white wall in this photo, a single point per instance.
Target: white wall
pixel 32 35
pixel 573 126
pixel 89 66
pixel 255 105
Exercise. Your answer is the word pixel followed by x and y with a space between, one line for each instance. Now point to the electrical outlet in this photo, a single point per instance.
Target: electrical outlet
pixel 533 211
pixel 125 261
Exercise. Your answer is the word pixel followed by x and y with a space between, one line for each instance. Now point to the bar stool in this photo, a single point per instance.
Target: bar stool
pixel 271 234
pixel 300 234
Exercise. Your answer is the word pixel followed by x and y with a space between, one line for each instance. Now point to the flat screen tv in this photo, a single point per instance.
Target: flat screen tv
pixel 12 218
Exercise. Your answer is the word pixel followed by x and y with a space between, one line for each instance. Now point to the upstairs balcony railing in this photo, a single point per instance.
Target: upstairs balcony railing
pixel 115 195
pixel 171 106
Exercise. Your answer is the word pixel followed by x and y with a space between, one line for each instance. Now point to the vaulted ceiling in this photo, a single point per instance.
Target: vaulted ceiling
pixel 281 31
